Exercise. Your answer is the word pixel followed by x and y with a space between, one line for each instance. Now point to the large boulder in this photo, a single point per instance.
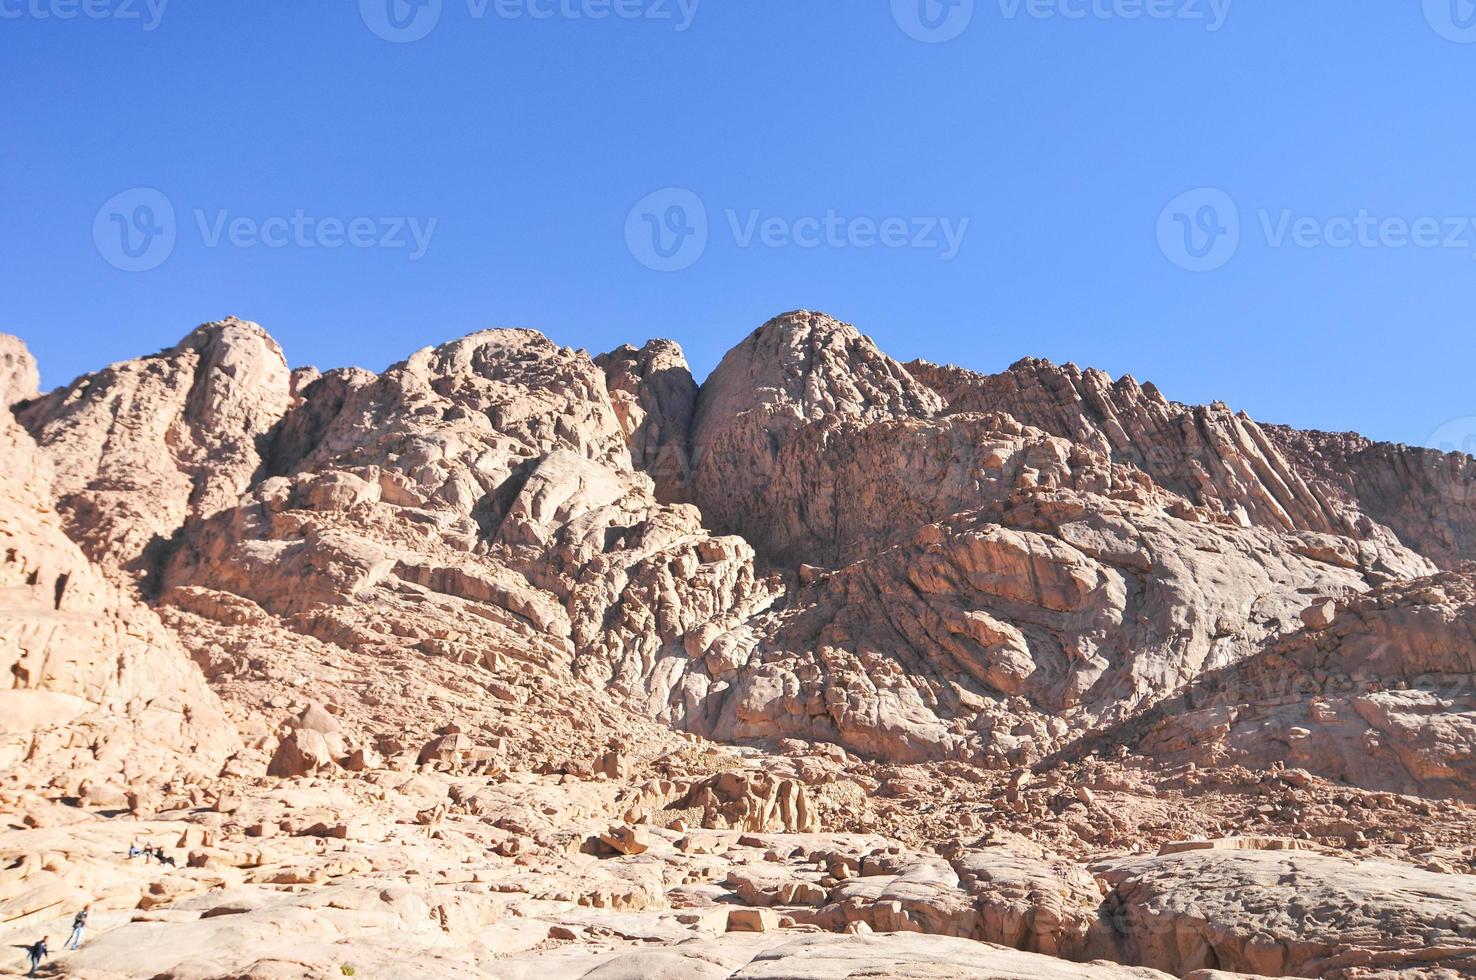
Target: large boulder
pixel 300 753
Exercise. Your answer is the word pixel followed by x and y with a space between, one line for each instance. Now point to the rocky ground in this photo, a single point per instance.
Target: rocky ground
pixel 511 661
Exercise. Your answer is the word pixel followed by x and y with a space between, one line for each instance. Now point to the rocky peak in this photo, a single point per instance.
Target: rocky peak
pixel 1264 475
pixel 19 379
pixel 810 365
pixel 655 398
pixel 512 394
pixel 1065 400
pixel 456 618
pixel 143 445
pixel 797 370
pixel 318 398
pixel 96 696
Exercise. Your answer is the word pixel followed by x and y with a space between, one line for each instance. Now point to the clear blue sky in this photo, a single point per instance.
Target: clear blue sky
pixel 529 140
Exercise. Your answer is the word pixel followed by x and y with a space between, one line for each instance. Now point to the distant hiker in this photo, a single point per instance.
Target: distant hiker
pixel 37 952
pixel 148 852
pixel 134 850
pixel 79 922
pixel 163 858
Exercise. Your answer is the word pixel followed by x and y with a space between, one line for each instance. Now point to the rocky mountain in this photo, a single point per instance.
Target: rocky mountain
pixel 559 664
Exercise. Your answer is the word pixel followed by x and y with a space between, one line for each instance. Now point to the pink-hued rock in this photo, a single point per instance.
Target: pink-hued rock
pixel 1289 913
pixel 93 688
pixel 513 661
pixel 145 445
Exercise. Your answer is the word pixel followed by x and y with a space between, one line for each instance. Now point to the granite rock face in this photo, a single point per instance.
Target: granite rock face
pixel 655 398
pixel 1267 475
pixel 917 563
pixel 1424 495
pixel 1287 913
pixel 144 445
pixel 97 697
pixel 1376 691
pixel 560 665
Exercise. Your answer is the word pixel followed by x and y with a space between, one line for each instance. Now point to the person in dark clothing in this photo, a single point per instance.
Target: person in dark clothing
pixel 37 952
pixel 79 922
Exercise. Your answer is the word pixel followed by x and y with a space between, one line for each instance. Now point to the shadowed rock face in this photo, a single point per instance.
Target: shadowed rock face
pixel 655 398
pixel 794 372
pixel 1427 497
pixel 475 630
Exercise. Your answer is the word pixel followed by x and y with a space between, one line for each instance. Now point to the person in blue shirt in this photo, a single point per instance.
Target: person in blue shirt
pixel 37 952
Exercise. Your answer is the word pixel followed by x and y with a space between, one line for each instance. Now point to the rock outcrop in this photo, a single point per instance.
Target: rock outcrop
pixel 655 397
pixel 1377 692
pixel 1275 914
pixel 97 697
pixel 143 446
pixel 513 661
pixel 1272 476
pixel 1427 497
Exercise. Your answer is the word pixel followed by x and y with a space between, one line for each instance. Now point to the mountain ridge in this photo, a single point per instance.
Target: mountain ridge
pixel 540 612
